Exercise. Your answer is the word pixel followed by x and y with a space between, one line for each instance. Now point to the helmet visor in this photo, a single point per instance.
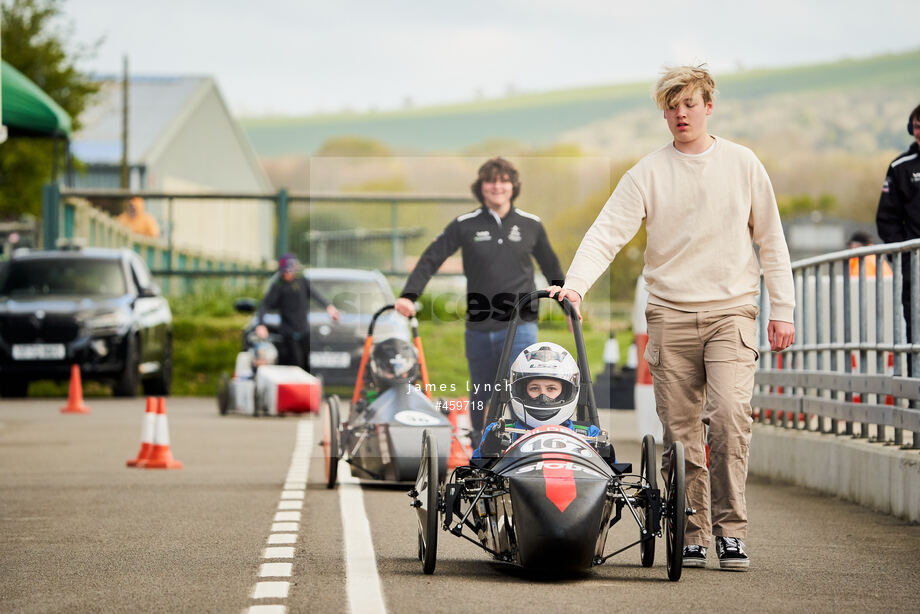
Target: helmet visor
pixel 542 396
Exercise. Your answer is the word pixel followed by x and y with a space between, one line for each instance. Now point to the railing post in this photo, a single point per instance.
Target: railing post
pixel 169 234
pixel 819 338
pixel 282 215
pixel 847 338
pixel 915 327
pixel 832 304
pixel 803 318
pixel 394 236
pixel 880 364
pixel 166 264
pixel 896 322
pixel 320 252
pixel 762 338
pixel 863 334
pixel 51 215
pixel 70 220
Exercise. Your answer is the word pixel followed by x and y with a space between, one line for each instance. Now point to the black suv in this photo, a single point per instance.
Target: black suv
pixel 97 308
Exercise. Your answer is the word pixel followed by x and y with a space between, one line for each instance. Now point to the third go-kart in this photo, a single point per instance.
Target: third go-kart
pixel 548 501
pixel 390 409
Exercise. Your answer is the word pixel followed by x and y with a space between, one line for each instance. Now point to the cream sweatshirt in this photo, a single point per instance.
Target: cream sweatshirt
pixel 701 214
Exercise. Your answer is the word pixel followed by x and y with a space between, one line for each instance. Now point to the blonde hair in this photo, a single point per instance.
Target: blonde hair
pixel 681 81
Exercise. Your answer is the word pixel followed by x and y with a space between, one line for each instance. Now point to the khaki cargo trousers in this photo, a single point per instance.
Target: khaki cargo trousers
pixel 702 366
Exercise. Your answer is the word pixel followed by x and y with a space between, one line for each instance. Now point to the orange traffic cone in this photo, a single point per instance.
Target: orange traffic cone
pixel 461 448
pixel 148 428
pixel 160 456
pixel 75 404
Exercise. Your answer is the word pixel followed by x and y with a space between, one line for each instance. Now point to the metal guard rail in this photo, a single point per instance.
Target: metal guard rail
pixel 846 373
pixel 54 194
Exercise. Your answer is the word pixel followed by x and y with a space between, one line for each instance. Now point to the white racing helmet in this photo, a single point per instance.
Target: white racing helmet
pixel 393 361
pixel 544 360
pixel 265 353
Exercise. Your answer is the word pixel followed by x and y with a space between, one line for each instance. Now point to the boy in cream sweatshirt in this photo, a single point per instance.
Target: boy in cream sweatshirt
pixel 704 200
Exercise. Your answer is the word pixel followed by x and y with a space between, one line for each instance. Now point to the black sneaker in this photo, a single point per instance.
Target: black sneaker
pixel 731 554
pixel 694 556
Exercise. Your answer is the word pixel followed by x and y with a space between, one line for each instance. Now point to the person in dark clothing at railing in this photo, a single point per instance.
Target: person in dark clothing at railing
pixel 290 296
pixel 898 217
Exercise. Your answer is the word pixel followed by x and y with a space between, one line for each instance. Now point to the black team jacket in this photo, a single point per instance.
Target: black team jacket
pixel 496 261
pixel 898 217
pixel 291 300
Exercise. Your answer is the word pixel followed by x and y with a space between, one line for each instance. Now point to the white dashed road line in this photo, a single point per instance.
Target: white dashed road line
pixel 361 578
pixel 275 570
pixel 285 527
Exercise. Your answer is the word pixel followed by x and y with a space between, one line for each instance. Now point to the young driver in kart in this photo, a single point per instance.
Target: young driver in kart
pixel 544 390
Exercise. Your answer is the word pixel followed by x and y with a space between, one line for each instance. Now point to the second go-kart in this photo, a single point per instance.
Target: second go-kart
pixel 390 409
pixel 547 501
pixel 261 387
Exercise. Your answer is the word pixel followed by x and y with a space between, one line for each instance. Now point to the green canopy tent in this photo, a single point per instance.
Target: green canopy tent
pixel 30 112
pixel 27 110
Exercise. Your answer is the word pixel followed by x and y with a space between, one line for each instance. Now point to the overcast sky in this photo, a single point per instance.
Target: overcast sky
pixel 299 57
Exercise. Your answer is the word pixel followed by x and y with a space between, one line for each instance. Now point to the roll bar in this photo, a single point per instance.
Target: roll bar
pixel 501 392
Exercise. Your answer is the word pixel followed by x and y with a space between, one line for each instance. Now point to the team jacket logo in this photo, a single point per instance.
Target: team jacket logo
pixel 915 177
pixel 482 235
pixel 885 187
pixel 515 234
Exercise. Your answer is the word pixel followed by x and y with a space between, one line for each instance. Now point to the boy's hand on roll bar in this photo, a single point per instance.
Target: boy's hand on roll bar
pixel 563 293
pixel 405 307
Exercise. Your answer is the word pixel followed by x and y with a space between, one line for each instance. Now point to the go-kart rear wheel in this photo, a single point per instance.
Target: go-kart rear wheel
pixel 649 474
pixel 330 415
pixel 426 485
pixel 223 394
pixel 675 511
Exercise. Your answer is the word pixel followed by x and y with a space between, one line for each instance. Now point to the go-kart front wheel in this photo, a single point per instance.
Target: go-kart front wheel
pixel 330 416
pixel 426 485
pixel 649 474
pixel 675 511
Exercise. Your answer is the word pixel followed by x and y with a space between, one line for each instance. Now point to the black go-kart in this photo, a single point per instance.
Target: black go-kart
pixel 390 408
pixel 548 501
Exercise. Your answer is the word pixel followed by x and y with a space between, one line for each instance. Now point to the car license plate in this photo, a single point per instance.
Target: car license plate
pixel 38 351
pixel 330 360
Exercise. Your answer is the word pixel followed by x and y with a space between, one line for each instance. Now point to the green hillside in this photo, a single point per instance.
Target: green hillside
pixel 543 118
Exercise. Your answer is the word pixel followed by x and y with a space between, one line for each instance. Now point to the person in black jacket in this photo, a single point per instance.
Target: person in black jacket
pixel 898 217
pixel 497 243
pixel 290 296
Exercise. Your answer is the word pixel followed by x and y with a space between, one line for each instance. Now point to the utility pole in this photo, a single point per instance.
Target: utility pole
pixel 125 176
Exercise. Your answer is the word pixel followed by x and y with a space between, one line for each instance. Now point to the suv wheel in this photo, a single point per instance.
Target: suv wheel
pixel 223 394
pixel 126 386
pixel 161 384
